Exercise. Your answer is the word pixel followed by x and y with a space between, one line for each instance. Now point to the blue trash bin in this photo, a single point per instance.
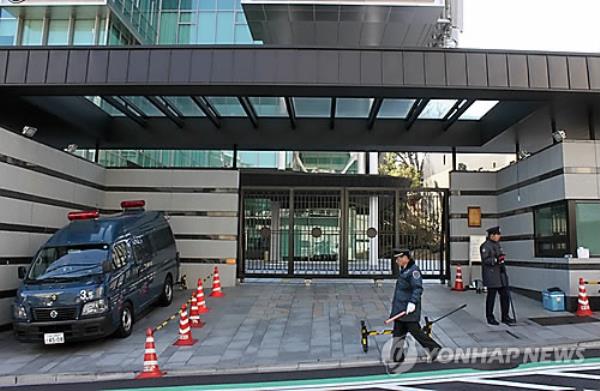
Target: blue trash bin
pixel 553 299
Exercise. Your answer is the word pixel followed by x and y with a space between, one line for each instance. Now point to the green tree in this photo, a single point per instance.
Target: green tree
pixel 403 164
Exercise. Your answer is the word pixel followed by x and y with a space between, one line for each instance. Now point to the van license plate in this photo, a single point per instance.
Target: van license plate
pixel 54 338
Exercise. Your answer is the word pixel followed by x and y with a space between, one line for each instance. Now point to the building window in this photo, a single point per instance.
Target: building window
pixel 588 226
pixel 32 32
pixel 58 32
pixel 8 28
pixel 83 33
pixel 551 230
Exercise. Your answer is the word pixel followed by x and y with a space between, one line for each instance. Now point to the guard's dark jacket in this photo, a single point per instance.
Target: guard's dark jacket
pixel 493 273
pixel 409 288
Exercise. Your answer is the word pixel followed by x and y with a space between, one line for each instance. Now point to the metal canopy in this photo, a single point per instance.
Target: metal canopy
pixel 347 23
pixel 283 98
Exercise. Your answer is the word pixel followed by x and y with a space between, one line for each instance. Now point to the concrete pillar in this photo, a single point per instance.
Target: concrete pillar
pixel 362 163
pixel 374 213
pixel 281 160
pixel 373 163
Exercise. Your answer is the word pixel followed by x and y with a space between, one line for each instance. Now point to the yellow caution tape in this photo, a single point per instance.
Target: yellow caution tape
pixel 176 315
pixel 379 332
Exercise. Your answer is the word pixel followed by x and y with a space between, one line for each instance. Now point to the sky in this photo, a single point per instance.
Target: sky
pixel 556 25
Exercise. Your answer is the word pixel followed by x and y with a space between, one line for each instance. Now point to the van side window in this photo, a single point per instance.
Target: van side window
pixel 162 238
pixel 119 255
pixel 141 248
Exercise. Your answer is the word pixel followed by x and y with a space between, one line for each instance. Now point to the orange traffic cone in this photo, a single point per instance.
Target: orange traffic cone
pixel 185 330
pixel 202 308
pixel 458 282
pixel 583 304
pixel 194 315
pixel 216 288
pixel 151 369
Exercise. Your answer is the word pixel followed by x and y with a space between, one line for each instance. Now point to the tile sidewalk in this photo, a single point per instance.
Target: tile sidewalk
pixel 259 326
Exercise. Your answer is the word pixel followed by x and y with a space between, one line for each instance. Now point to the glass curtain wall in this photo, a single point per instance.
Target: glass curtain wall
pixel 140 16
pixel 8 28
pixel 203 22
pixel 52 30
pixel 172 22
pixel 32 32
pixel 58 32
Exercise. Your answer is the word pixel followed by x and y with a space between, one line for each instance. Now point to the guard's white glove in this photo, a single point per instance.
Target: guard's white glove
pixel 410 307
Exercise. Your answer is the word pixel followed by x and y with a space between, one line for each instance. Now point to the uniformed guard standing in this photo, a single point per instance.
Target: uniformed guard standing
pixel 407 297
pixel 494 276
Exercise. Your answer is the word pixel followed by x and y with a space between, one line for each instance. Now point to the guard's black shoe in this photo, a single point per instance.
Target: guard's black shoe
pixel 433 354
pixel 509 321
pixel 493 322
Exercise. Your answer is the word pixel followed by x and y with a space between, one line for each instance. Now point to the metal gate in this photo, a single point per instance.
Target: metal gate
pixel 345 232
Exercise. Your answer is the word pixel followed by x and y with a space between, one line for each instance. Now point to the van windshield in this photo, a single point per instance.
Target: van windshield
pixel 67 263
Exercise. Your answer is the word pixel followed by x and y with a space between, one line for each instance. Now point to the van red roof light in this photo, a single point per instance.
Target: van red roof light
pixel 87 215
pixel 133 204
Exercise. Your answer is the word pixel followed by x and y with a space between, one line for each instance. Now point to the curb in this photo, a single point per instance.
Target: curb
pixel 66 378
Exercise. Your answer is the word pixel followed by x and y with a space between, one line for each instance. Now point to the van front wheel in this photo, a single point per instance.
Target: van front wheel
pixel 125 321
pixel 166 297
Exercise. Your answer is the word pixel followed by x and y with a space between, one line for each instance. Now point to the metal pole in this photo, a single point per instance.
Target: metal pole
pixel 591 123
pixel 97 152
pixel 291 234
pixel 343 251
pixel 235 156
pixel 453 158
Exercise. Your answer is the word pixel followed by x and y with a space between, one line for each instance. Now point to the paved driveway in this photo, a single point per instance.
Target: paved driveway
pixel 287 325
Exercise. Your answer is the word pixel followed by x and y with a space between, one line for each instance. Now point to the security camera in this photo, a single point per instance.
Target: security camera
pixel 29 131
pixel 71 148
pixel 559 136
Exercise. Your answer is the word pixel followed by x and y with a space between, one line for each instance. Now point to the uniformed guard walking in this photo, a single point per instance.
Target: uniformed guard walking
pixel 494 276
pixel 407 297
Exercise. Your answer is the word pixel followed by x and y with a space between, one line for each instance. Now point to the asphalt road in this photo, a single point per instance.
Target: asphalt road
pixel 512 376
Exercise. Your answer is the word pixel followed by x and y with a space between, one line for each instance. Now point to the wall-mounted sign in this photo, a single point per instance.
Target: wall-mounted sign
pixel 474 216
pixel 475 242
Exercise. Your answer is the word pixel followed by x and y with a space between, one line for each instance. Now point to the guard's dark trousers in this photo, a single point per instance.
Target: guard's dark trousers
pixel 400 331
pixel 491 300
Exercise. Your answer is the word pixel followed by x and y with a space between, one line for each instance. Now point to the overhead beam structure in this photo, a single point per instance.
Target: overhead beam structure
pixel 249 110
pixel 289 104
pixel 208 110
pixel 35 79
pixel 160 104
pixel 137 118
pixel 377 102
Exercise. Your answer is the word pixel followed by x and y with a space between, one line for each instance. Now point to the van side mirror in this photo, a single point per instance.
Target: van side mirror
pixel 106 266
pixel 21 271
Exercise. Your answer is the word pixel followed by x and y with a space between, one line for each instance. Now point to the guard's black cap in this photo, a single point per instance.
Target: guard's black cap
pixel 400 252
pixel 493 231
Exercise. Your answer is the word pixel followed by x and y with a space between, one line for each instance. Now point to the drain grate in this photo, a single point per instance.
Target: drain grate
pixel 563 320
